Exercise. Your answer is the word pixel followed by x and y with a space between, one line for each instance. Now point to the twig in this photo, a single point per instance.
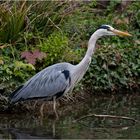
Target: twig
pixel 3 98
pixel 54 24
pixel 110 102
pixel 106 116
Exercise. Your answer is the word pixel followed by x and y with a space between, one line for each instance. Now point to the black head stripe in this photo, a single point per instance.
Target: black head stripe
pixel 104 27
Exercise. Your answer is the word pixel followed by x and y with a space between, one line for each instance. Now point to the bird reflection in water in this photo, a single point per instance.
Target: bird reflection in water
pixel 27 128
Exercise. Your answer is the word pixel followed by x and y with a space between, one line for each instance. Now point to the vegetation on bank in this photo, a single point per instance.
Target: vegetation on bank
pixel 36 34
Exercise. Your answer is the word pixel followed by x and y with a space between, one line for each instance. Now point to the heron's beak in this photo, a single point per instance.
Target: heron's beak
pixel 120 33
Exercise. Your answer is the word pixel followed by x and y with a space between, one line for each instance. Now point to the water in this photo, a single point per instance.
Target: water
pixel 29 127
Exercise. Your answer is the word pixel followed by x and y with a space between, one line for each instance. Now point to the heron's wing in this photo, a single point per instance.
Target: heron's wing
pixel 47 83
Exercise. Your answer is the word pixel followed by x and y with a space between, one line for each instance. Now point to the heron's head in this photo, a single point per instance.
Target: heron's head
pixel 105 30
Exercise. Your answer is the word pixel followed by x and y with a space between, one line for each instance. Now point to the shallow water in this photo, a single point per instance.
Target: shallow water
pixel 29 127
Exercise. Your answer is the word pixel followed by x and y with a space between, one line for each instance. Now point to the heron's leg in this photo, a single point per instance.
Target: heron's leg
pixel 34 106
pixel 41 110
pixel 54 107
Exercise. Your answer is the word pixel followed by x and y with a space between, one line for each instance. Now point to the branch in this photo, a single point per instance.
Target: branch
pixel 106 116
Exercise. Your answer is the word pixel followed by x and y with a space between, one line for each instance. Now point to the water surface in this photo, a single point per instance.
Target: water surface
pixel 30 127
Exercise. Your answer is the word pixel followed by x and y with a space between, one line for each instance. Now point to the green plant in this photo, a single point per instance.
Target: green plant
pixel 14 73
pixel 113 69
pixel 54 47
pixel 112 5
pixel 12 21
pixel 47 16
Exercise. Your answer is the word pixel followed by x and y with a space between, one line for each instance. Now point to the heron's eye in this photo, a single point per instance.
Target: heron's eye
pixel 108 29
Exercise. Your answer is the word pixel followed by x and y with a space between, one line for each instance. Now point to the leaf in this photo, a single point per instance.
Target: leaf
pixel 30 66
pixel 32 57
pixel 20 64
pixel 3 46
pixel 36 53
pixel 25 54
pixel 39 55
pixel 121 21
pixel 1 62
pixel 42 55
pixel 31 60
pixel 137 41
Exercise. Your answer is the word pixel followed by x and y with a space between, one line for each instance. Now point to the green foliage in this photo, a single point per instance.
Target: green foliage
pixel 133 11
pixel 19 65
pixel 17 69
pixel 47 16
pixel 112 5
pixel 113 69
pixel 54 46
pixel 13 73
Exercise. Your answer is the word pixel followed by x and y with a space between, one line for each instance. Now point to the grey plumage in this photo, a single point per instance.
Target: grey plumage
pixel 49 82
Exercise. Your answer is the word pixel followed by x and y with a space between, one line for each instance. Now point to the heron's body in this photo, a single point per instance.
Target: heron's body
pixel 55 80
pixel 58 79
pixel 51 81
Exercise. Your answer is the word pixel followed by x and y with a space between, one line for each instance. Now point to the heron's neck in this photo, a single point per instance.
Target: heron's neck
pixel 90 51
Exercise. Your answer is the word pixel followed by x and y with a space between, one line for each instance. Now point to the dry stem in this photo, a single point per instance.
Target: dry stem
pixel 107 116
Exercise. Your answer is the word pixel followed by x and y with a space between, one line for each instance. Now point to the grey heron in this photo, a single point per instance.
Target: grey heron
pixel 59 79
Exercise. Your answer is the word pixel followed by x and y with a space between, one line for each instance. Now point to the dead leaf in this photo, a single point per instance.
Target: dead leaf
pixel 32 57
pixel 1 62
pixel 137 41
pixel 121 21
pixel 3 46
pixel 126 20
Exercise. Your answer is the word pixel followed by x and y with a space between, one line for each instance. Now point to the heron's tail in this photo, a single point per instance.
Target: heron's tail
pixel 13 96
